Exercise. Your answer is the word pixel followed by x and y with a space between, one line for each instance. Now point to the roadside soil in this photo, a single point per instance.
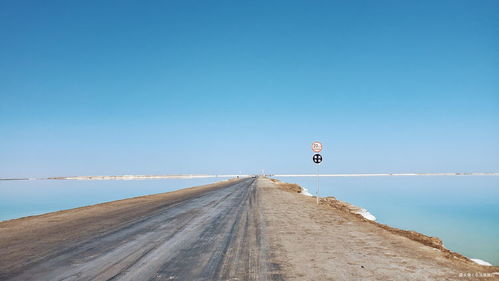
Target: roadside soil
pixel 329 242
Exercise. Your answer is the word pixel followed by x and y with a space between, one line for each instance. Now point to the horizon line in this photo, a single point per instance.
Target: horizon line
pixel 192 176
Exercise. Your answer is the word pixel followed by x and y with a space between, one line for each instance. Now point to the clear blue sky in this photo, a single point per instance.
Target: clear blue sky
pixel 150 87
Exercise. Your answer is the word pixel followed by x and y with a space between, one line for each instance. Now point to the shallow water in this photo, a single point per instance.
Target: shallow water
pixel 462 211
pixel 27 198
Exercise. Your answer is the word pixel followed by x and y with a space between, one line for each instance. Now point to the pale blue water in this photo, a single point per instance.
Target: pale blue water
pixel 462 211
pixel 26 198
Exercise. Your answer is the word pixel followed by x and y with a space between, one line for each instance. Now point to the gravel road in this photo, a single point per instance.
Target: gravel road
pixel 213 234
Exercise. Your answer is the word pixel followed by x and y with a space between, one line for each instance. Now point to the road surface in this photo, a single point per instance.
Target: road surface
pixel 212 235
pixel 239 229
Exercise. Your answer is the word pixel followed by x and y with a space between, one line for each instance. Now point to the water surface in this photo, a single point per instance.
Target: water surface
pixel 27 198
pixel 463 211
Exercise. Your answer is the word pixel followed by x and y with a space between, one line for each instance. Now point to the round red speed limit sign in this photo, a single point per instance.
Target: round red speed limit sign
pixel 316 146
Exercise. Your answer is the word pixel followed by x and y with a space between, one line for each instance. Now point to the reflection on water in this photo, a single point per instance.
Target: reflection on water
pixel 462 211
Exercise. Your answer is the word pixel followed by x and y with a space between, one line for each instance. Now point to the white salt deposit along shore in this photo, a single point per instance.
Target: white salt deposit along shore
pixel 368 216
pixel 305 192
pixel 361 211
pixel 481 262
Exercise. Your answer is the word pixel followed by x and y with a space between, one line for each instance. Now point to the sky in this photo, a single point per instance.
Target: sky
pixel 164 87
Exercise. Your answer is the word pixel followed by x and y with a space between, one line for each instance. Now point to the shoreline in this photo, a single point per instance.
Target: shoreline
pixel 331 242
pixel 365 215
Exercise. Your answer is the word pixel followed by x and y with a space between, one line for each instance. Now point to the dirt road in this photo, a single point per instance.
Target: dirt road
pixel 241 229
pixel 214 233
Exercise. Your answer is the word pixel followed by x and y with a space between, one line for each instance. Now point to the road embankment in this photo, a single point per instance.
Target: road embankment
pixel 330 241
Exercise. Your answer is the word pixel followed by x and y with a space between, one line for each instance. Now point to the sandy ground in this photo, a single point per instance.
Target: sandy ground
pixel 313 242
pixel 241 229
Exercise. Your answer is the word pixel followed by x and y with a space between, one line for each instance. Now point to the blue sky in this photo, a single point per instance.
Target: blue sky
pixel 225 86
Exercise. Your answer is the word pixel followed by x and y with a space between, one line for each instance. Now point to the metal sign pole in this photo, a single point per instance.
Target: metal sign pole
pixel 317 184
pixel 317 158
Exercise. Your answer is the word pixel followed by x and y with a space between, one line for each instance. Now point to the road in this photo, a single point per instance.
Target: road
pixel 238 229
pixel 215 235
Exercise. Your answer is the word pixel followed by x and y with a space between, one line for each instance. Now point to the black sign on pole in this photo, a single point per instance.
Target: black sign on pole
pixel 317 158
